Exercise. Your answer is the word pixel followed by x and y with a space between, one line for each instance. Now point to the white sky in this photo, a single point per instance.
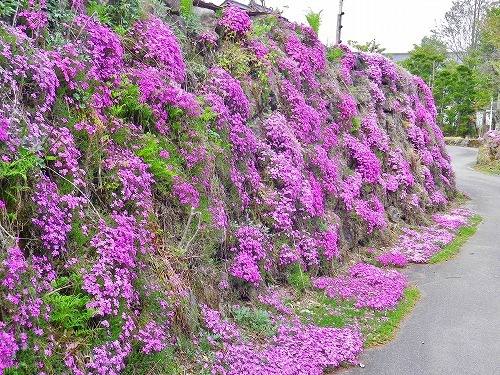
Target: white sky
pixel 395 24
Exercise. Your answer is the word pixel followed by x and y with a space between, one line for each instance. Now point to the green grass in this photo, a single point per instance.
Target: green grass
pixel 492 167
pixel 461 237
pixel 378 327
pixel 385 324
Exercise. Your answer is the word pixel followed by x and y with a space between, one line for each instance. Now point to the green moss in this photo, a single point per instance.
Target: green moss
pixel 461 237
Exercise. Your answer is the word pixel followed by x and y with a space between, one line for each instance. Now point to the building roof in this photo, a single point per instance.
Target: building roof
pixel 252 6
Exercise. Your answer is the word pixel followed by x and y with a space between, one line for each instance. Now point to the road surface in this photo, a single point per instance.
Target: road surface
pixel 455 327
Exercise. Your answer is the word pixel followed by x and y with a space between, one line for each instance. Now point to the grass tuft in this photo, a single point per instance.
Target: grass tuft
pixel 492 167
pixel 461 237
pixel 386 323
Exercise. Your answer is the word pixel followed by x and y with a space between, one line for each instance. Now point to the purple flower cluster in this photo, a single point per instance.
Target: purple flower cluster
pixel 235 19
pixel 209 38
pixel 157 46
pixel 419 245
pixel 55 214
pixel 8 349
pixel 296 348
pixel 372 211
pixel 392 259
pixel 310 59
pixel 251 251
pixel 366 285
pixel 275 299
pixel 367 161
pixel 457 218
pixel 35 15
pixel 105 49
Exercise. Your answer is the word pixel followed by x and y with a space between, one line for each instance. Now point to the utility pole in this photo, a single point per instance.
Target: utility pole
pixel 339 21
pixel 489 119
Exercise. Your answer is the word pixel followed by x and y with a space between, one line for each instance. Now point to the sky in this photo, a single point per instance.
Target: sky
pixel 395 24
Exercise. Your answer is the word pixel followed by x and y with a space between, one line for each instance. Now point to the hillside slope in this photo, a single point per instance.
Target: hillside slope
pixel 153 174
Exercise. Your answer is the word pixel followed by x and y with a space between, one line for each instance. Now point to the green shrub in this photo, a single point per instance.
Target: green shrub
pixel 14 174
pixel 69 311
pixel 255 320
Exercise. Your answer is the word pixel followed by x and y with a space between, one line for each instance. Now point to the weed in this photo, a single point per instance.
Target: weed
pixel 256 320
pixel 186 7
pixel 164 362
pixel 314 20
pixel 263 26
pixel 236 60
pixel 298 278
pixel 128 106
pixel 14 174
pixel 334 54
pixel 68 310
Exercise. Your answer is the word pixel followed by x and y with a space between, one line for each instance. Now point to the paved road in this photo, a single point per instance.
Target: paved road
pixel 455 328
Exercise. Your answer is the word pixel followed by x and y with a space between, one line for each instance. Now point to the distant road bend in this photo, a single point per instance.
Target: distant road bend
pixel 455 327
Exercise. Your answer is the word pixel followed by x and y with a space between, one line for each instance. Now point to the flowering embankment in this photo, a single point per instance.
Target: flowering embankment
pixel 147 175
pixel 367 285
pixel 420 244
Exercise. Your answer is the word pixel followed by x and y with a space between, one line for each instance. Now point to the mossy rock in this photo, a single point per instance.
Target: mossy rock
pixel 484 155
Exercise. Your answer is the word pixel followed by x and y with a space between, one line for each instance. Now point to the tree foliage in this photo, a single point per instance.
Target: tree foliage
pixel 371 46
pixel 461 28
pixel 456 91
pixel 425 59
pixel 461 63
pixel 489 50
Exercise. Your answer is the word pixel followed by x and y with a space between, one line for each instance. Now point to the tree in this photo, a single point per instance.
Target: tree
pixel 457 90
pixel 489 54
pixel 372 46
pixel 461 28
pixel 426 59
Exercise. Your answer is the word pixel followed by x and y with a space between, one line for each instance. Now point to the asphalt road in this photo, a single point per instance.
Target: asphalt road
pixel 455 327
